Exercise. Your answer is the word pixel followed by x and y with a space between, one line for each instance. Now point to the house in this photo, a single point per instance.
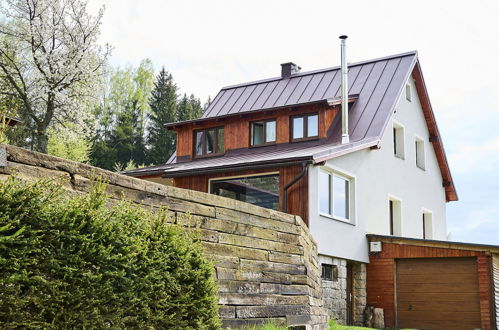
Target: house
pixel 12 121
pixel 371 162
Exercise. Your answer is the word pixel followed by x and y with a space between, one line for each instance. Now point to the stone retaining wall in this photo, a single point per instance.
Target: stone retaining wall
pixel 266 262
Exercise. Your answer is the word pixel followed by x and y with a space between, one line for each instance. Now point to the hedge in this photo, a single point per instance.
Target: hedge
pixel 77 262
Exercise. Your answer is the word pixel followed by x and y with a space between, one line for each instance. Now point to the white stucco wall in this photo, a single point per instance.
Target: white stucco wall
pixel 379 175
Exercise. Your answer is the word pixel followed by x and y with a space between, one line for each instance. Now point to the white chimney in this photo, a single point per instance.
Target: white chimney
pixel 344 91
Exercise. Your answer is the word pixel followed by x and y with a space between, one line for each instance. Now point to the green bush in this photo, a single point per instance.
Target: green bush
pixel 78 263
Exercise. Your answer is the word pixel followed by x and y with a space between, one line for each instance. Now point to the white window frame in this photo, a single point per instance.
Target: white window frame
pixel 424 213
pixel 398 216
pixel 351 179
pixel 420 154
pixel 408 92
pixel 398 130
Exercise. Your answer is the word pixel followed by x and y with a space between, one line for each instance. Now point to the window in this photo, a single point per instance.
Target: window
pixel 263 132
pixel 209 142
pixel 408 93
pixel 420 154
pixel 334 195
pixel 329 272
pixel 305 127
pixel 395 214
pixel 427 225
pixel 398 140
pixel 261 190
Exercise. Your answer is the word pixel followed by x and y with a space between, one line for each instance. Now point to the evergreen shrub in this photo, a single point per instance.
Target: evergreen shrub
pixel 80 262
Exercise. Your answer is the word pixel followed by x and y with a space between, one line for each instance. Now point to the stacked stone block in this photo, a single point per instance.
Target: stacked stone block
pixel 266 262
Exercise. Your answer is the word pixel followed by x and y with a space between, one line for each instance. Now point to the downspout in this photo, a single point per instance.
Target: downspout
pixel 304 171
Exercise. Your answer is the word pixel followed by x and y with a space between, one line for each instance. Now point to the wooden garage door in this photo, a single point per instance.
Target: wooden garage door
pixel 437 293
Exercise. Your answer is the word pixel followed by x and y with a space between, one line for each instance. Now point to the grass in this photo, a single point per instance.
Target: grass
pixel 332 325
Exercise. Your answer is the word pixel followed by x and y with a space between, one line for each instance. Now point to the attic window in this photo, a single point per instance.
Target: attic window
pixel 209 142
pixel 408 93
pixel 305 127
pixel 263 132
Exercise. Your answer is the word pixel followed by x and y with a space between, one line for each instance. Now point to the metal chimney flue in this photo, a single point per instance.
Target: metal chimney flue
pixel 344 91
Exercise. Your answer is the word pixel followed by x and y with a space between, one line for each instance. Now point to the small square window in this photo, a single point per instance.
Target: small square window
pixel 420 153
pixel 305 127
pixel 408 93
pixel 263 132
pixel 209 142
pixel 329 272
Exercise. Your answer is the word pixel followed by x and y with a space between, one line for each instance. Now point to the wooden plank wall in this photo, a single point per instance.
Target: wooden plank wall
pixel 237 128
pixel 297 194
pixel 381 279
pixel 495 273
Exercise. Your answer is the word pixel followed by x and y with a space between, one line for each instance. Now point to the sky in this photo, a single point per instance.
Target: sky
pixel 210 44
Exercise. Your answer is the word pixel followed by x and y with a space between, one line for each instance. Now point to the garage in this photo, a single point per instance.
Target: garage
pixel 437 293
pixel 429 284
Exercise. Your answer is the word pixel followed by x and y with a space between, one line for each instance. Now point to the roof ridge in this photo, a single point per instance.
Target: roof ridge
pixel 306 73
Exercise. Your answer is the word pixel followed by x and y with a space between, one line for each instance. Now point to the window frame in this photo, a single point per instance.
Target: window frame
pixel 333 272
pixel 420 152
pixel 351 203
pixel 398 140
pixel 305 127
pixel 395 216
pixel 222 178
pixel 264 121
pixel 205 142
pixel 427 218
pixel 408 92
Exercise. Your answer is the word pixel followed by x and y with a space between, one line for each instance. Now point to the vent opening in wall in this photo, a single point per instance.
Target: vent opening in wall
pixel 408 95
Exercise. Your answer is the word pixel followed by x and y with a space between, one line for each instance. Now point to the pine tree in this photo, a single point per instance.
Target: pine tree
pixel 163 110
pixel 189 108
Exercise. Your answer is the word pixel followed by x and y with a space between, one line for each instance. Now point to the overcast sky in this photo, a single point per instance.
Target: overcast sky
pixel 210 44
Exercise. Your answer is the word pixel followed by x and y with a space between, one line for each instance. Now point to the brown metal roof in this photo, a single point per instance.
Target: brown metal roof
pixel 377 85
pixel 371 77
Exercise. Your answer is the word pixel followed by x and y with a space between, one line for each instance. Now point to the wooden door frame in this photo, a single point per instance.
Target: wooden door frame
pixel 349 294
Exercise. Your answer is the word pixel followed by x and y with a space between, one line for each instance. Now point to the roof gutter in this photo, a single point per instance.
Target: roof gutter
pixel 304 171
pixel 242 167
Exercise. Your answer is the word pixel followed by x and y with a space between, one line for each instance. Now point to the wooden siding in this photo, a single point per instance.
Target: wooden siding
pixel 495 273
pixel 237 128
pixel 381 276
pixel 297 194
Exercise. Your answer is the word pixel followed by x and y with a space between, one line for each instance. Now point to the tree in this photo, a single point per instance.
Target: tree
pixel 122 118
pixel 50 59
pixel 163 110
pixel 83 262
pixel 189 108
pixel 66 143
